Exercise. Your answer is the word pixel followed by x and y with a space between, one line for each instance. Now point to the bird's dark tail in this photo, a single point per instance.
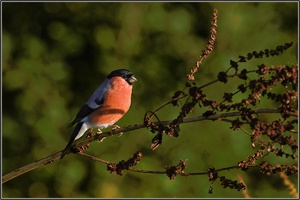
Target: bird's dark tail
pixel 74 134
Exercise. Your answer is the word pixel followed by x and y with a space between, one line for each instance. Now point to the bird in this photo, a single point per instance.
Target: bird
pixel 108 104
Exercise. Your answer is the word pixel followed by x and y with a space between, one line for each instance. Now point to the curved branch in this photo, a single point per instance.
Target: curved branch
pixel 56 156
pixel 163 172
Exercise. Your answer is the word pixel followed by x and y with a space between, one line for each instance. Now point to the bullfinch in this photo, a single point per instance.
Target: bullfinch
pixel 106 106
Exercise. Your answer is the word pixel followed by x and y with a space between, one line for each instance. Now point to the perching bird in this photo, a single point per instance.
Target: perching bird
pixel 106 106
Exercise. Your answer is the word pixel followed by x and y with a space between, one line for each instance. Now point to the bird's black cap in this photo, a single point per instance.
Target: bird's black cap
pixel 124 73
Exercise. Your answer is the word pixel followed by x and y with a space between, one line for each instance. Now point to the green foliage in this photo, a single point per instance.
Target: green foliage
pixel 54 55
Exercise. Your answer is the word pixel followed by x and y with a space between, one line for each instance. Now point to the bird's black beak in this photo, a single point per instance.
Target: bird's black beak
pixel 132 79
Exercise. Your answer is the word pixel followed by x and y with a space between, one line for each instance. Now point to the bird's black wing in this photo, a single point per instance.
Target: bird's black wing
pixel 85 111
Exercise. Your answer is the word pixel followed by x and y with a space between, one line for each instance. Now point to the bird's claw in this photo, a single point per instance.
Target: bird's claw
pixel 99 131
pixel 116 127
pixel 101 140
pixel 120 134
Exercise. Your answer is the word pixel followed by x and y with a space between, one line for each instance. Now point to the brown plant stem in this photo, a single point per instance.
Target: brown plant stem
pixel 160 172
pixel 56 156
pixel 200 87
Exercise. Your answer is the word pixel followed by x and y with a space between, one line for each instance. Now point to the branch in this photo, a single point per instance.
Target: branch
pixel 161 172
pixel 56 156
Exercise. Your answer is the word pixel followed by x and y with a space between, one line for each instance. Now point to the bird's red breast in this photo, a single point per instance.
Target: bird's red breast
pixel 116 104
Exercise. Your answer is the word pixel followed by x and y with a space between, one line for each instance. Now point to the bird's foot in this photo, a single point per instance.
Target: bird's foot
pixel 99 131
pixel 90 133
pixel 120 134
pixel 116 127
pixel 101 140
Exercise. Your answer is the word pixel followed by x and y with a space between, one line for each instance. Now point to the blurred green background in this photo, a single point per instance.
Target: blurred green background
pixel 54 55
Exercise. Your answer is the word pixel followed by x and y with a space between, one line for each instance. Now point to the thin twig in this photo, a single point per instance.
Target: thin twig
pixel 160 172
pixel 56 156
pixel 200 87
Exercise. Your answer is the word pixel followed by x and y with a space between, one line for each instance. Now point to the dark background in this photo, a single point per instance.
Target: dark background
pixel 54 55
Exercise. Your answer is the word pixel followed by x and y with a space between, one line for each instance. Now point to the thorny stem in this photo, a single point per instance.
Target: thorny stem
pixel 159 172
pixel 200 87
pixel 56 156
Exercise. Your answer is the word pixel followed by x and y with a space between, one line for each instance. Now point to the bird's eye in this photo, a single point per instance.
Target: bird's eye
pixel 127 76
